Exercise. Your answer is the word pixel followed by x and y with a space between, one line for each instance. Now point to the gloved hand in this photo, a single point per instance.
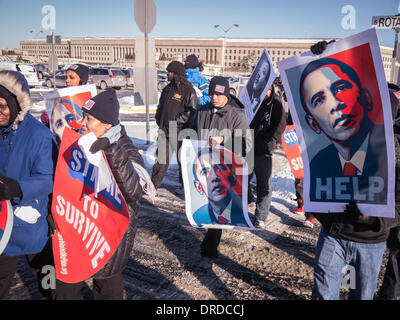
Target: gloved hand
pixel 320 47
pixel 359 217
pixel 51 224
pixel 9 188
pixel 100 144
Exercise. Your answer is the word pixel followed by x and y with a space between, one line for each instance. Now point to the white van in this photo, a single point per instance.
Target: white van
pixel 27 70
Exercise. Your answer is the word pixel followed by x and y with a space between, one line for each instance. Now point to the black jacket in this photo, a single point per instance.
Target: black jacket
pixel 209 121
pixel 369 229
pixel 269 123
pixel 176 104
pixel 119 156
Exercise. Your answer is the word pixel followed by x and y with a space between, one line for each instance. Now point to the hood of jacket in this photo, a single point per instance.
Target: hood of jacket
pixel 16 83
pixel 193 75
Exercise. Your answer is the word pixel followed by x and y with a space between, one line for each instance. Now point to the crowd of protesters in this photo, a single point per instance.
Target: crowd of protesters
pixel 29 153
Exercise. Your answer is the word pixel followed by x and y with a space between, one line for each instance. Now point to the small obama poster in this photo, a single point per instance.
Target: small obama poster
pixel 257 85
pixel 216 184
pixel 340 105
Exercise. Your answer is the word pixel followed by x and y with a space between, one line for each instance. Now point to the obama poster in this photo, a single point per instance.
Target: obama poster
pixel 340 105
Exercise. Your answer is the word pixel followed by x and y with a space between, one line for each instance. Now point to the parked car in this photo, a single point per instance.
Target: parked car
pixel 42 70
pixel 104 78
pixel 162 80
pixel 60 76
pixel 129 76
pixel 27 70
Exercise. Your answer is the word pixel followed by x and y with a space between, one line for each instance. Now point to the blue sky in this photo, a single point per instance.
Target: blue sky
pixel 189 18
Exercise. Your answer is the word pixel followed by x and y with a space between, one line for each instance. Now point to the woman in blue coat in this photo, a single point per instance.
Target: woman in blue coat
pixel 27 163
pixel 193 68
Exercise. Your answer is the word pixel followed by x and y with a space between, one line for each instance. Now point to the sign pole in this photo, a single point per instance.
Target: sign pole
pixel 53 40
pixel 146 72
pixel 396 40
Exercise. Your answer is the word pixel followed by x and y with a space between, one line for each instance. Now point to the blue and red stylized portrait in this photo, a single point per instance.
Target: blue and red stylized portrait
pixel 345 140
pixel 216 177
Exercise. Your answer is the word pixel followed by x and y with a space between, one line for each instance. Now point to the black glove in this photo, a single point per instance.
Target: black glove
pixel 9 188
pixel 51 224
pixel 100 144
pixel 320 46
pixel 359 217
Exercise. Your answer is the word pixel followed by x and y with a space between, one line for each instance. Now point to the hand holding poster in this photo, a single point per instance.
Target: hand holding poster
pixel 88 229
pixel 65 107
pixel 257 86
pixel 216 182
pixel 6 223
pixel 340 105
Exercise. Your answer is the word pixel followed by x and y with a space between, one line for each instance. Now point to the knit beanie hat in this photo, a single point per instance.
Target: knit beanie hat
pixel 191 62
pixel 176 67
pixel 104 107
pixel 81 70
pixel 219 85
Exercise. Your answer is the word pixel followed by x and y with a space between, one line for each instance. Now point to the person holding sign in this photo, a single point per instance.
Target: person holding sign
pixel 77 75
pixel 27 163
pixel 349 237
pixel 101 117
pixel 217 122
pixel 268 124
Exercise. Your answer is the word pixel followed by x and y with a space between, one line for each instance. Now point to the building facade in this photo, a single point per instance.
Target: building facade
pixel 232 53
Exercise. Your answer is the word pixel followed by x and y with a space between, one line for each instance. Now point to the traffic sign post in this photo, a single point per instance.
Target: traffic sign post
pixel 53 39
pixel 390 22
pixel 145 17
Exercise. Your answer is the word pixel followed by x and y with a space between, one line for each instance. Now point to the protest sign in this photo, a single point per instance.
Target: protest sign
pixel 216 185
pixel 88 228
pixel 65 107
pixel 257 86
pixel 340 105
pixel 290 145
pixel 6 223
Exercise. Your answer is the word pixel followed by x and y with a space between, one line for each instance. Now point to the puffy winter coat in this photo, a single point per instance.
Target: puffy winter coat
pixel 28 154
pixel 119 156
pixel 193 75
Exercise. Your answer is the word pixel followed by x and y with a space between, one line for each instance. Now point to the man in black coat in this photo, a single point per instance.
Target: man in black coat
pixel 268 124
pixel 177 105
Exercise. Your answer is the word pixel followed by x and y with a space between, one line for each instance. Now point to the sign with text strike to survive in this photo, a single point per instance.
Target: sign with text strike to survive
pixel 88 229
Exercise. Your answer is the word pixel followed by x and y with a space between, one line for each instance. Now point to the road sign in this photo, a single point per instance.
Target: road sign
pixel 57 39
pixel 145 15
pixel 386 22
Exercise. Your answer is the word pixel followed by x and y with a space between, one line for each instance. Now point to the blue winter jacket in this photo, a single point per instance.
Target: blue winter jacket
pixel 28 156
pixel 193 75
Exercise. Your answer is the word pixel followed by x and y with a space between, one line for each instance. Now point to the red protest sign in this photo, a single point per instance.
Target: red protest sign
pixel 88 229
pixel 291 146
pixel 6 223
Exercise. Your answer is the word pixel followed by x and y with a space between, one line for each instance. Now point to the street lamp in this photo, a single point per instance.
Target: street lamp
pixel 37 44
pixel 223 43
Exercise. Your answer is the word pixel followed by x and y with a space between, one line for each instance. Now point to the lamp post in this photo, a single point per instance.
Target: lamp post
pixel 37 44
pixel 223 43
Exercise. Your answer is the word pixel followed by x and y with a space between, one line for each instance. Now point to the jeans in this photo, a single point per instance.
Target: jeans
pixel 263 171
pixel 333 255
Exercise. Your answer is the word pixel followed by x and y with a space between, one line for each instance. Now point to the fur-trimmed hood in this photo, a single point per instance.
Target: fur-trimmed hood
pixel 16 83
